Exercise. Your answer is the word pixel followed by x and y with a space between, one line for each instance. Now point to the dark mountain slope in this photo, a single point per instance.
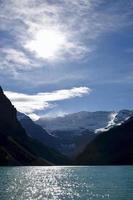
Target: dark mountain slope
pixel 35 131
pixel 113 147
pixel 16 148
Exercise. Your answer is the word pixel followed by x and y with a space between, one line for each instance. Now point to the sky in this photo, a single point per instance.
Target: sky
pixel 59 57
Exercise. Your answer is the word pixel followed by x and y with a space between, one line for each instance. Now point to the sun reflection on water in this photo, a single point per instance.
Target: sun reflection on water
pixel 64 183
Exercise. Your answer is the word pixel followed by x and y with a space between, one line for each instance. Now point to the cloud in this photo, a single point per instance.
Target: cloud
pixel 31 22
pixel 14 61
pixel 14 56
pixel 34 117
pixel 31 103
pixel 76 25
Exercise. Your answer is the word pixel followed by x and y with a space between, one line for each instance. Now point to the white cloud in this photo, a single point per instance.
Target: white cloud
pixel 72 25
pixel 31 103
pixel 38 29
pixel 15 56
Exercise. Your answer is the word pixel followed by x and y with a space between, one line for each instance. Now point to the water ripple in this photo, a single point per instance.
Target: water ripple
pixel 66 183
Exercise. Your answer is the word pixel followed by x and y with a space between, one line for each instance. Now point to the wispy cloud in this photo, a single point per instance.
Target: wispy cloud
pixel 74 23
pixel 14 56
pixel 31 103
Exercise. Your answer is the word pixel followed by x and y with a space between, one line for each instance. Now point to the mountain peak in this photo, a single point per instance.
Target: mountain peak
pixel 1 91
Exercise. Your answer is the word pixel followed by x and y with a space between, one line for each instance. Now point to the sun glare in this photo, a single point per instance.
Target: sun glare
pixel 47 43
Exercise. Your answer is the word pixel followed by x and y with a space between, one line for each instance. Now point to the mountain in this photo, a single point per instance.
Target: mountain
pixel 35 131
pixel 65 144
pixel 113 147
pixel 16 147
pixel 75 131
pixel 77 121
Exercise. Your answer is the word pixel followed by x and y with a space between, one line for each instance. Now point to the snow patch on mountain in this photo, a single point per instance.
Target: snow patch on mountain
pixel 116 119
pixel 111 123
pixel 112 119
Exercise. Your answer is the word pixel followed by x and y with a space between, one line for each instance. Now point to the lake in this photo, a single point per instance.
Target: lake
pixel 66 183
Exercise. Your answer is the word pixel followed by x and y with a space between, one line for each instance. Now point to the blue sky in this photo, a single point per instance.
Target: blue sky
pixel 67 56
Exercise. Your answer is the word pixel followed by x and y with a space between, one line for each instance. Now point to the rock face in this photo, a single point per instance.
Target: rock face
pixel 113 147
pixel 16 147
pixel 9 124
pixel 7 112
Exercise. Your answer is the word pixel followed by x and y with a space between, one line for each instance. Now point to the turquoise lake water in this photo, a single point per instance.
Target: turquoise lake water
pixel 66 183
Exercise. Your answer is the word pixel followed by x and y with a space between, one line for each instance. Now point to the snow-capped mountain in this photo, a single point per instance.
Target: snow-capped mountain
pixel 92 121
pixel 71 133
pixel 123 115
pixel 113 147
pixel 77 121
pixel 75 131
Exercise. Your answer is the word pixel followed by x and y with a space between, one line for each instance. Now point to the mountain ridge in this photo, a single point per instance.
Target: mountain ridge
pixel 84 120
pixel 16 147
pixel 114 147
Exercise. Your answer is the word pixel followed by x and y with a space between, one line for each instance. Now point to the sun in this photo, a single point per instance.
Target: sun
pixel 47 44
